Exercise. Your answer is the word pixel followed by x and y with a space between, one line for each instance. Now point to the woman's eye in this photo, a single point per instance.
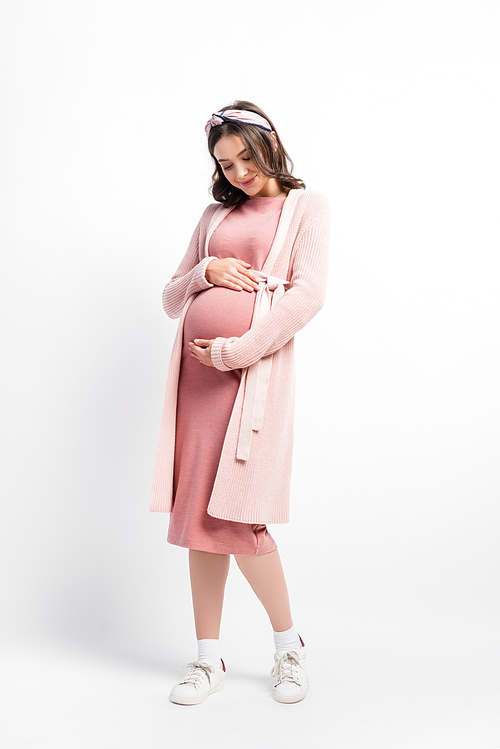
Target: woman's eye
pixel 227 167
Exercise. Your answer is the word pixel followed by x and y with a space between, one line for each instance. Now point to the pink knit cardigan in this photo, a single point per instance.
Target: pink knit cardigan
pixel 256 489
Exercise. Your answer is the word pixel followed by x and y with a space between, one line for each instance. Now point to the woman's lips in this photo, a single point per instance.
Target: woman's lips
pixel 247 184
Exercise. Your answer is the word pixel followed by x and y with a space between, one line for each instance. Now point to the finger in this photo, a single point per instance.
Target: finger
pixel 246 273
pixel 248 282
pixel 233 285
pixel 203 357
pixel 246 287
pixel 250 277
pixel 239 279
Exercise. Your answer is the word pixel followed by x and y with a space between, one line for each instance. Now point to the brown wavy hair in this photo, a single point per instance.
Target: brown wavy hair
pixel 267 153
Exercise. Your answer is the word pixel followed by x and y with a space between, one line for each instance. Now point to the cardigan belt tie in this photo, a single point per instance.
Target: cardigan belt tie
pixel 271 289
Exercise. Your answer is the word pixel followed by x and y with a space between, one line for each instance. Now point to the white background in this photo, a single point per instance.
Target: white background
pixel 392 110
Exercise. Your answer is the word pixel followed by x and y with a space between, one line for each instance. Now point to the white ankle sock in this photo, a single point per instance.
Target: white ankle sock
pixel 287 640
pixel 209 650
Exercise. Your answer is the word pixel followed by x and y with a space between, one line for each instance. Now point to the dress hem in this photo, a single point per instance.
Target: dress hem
pixel 196 547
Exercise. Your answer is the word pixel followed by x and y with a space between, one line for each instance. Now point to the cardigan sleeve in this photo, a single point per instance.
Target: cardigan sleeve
pixel 189 277
pixel 298 305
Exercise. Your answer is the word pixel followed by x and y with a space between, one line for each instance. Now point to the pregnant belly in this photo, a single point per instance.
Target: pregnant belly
pixel 219 313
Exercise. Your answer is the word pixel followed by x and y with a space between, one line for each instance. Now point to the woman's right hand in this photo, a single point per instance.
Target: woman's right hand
pixel 232 273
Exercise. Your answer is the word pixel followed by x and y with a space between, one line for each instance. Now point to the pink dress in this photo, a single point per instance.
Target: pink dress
pixel 206 395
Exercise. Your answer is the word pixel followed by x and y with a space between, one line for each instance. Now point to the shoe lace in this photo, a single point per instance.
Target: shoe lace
pixel 200 670
pixel 286 667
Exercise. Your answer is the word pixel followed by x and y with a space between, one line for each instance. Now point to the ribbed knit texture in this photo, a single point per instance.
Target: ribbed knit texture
pixel 256 490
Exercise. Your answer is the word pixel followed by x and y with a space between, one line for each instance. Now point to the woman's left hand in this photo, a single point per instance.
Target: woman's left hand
pixel 200 348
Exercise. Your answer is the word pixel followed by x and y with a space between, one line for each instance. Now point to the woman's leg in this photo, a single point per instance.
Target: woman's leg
pixel 265 574
pixel 208 580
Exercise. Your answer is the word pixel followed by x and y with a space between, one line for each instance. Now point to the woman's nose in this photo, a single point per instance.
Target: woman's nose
pixel 242 169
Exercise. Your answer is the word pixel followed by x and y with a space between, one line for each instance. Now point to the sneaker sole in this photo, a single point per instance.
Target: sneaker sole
pixel 290 699
pixel 196 700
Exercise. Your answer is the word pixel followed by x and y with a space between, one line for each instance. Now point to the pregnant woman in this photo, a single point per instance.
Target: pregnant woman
pixel 253 275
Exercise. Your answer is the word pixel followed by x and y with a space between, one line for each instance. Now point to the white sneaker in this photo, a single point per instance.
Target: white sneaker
pixel 202 679
pixel 289 667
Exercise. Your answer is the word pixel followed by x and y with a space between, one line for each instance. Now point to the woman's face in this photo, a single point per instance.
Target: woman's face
pixel 241 171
